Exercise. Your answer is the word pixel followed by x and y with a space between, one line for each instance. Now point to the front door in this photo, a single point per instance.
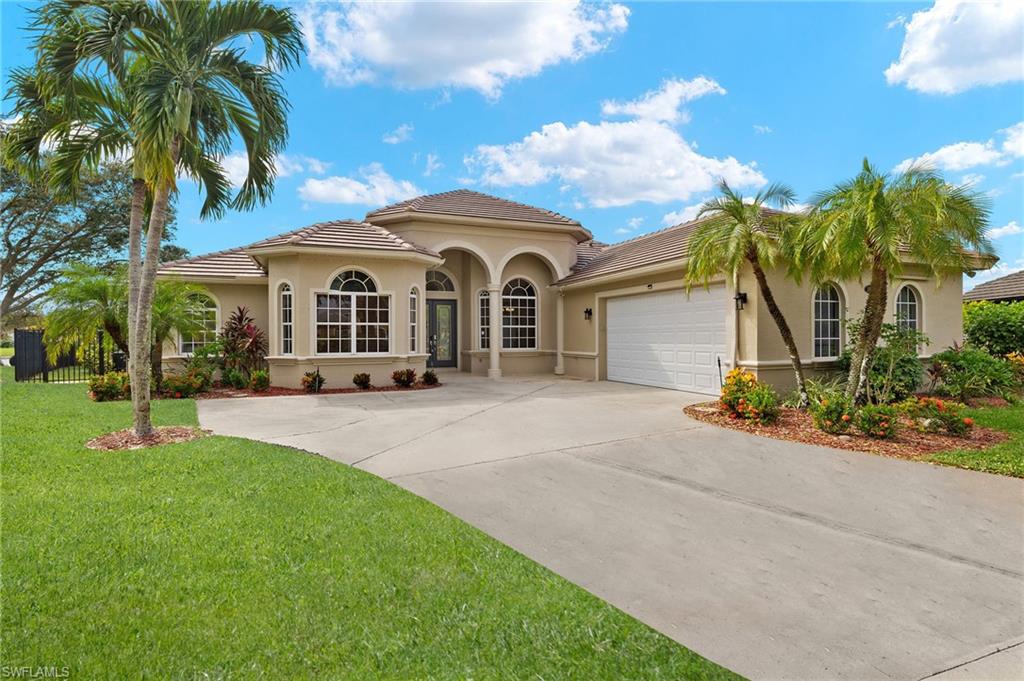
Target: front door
pixel 443 341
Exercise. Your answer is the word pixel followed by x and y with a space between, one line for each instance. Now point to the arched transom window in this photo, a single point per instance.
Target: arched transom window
pixel 354 281
pixel 439 281
pixel 352 318
pixel 828 322
pixel 287 322
pixel 908 309
pixel 203 310
pixel 519 315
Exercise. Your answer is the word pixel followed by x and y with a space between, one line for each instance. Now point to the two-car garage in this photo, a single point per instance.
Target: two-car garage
pixel 669 339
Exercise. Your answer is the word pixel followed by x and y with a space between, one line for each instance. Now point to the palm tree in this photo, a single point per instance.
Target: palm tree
pixel 187 88
pixel 878 222
pixel 173 312
pixel 735 232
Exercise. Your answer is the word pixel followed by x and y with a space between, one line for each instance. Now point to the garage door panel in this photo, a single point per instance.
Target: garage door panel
pixel 667 339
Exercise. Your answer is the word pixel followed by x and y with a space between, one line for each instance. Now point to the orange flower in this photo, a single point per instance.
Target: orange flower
pixel 968 421
pixel 846 418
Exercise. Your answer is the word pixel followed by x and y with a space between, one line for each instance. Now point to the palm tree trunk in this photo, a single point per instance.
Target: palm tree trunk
pixel 784 331
pixel 138 210
pixel 156 363
pixel 870 331
pixel 142 332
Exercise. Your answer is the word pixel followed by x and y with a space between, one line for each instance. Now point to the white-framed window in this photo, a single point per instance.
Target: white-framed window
pixel 352 318
pixel 828 322
pixel 908 309
pixel 287 320
pixel 484 310
pixel 439 281
pixel 519 315
pixel 204 311
pixel 414 314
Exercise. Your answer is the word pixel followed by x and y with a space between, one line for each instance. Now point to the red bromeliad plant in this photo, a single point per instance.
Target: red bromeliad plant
pixel 244 343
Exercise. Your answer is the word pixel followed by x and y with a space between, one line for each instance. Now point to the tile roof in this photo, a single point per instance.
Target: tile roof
pixel 671 243
pixel 233 264
pixel 473 204
pixel 343 234
pixel 587 251
pixel 1004 288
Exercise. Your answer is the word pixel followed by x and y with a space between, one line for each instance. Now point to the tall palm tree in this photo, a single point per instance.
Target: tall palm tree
pixel 734 233
pixel 878 222
pixel 189 88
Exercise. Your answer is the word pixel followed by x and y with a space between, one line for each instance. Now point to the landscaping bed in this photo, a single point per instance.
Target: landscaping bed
pixel 161 435
pixel 227 392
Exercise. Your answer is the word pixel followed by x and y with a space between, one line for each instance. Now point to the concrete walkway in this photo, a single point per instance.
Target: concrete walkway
pixel 776 560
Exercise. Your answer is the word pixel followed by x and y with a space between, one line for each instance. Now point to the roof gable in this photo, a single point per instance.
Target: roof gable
pixel 342 234
pixel 468 203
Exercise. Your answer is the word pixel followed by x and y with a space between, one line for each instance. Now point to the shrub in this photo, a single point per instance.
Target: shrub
pixel 968 372
pixel 182 385
pixel 404 378
pixel 113 385
pixel 429 377
pixel 259 381
pixel 362 381
pixel 313 381
pixel 877 420
pixel 895 369
pixel 931 415
pixel 832 412
pixel 738 382
pixel 244 344
pixel 744 397
pixel 997 327
pixel 1016 360
pixel 235 378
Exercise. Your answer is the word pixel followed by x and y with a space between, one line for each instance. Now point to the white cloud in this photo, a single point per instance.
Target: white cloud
pixel 763 130
pixel 956 45
pixel 1013 145
pixel 236 165
pixel 402 133
pixel 972 179
pixel 964 155
pixel 1008 229
pixel 433 165
pixel 899 20
pixel 632 225
pixel 685 214
pixel 376 188
pixel 475 45
pixel 665 103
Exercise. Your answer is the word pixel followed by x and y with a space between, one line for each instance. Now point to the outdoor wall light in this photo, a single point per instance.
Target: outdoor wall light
pixel 588 313
pixel 741 300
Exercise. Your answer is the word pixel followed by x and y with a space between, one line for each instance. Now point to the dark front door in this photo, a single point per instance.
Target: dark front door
pixel 443 338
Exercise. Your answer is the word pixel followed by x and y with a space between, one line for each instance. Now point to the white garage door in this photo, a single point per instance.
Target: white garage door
pixel 668 340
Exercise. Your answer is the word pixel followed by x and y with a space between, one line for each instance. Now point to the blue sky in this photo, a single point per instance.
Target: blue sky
pixel 622 115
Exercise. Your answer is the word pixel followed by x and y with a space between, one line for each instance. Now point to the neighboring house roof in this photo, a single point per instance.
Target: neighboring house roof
pixel 230 264
pixel 469 203
pixel 1010 287
pixel 667 244
pixel 342 234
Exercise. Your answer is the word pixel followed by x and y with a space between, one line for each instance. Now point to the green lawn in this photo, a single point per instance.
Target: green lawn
pixel 229 558
pixel 1006 458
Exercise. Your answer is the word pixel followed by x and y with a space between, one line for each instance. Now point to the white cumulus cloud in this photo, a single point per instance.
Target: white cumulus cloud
pixel 665 103
pixel 433 164
pixel 402 133
pixel 762 130
pixel 956 45
pixel 684 214
pixel 236 165
pixel 1008 229
pixel 963 155
pixel 373 187
pixel 475 45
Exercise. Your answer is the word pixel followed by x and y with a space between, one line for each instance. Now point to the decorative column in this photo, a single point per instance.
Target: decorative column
pixel 560 333
pixel 494 292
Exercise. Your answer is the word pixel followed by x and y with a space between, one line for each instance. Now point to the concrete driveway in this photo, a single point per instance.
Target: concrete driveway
pixel 776 560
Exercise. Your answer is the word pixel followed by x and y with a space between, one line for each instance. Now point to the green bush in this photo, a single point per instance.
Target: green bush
pixel 362 381
pixel 404 378
pixel 762 404
pixel 429 377
pixel 313 381
pixel 877 420
pixel 932 415
pixel 896 370
pixel 259 380
pixel 113 385
pixel 182 385
pixel 234 378
pixel 738 382
pixel 832 411
pixel 966 372
pixel 997 327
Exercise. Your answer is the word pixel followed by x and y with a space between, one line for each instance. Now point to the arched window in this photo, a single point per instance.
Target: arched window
pixel 439 281
pixel 354 281
pixel 287 323
pixel 519 315
pixel 203 311
pixel 828 322
pixel 908 309
pixel 485 320
pixel 414 313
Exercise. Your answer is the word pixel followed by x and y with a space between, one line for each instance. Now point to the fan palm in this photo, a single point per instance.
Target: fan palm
pixel 877 223
pixel 188 88
pixel 734 233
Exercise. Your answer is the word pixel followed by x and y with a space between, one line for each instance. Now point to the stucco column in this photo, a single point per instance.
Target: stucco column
pixel 494 292
pixel 560 334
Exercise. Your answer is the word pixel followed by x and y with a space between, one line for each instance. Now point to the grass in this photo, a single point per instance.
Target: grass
pixel 1006 458
pixel 6 352
pixel 230 558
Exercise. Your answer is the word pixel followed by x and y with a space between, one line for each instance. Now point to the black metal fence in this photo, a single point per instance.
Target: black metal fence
pixel 79 364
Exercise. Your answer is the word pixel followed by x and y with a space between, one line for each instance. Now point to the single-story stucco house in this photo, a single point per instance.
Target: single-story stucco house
pixel 489 286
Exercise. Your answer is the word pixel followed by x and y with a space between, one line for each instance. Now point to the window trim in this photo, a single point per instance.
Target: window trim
pixel 216 304
pixel 313 323
pixel 414 325
pixel 341 270
pixel 451 278
pixel 919 306
pixel 279 317
pixel 841 294
pixel 481 319
pixel 537 315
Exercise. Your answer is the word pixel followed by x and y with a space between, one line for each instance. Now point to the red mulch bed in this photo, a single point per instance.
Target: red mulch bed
pixel 796 426
pixel 225 392
pixel 163 435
